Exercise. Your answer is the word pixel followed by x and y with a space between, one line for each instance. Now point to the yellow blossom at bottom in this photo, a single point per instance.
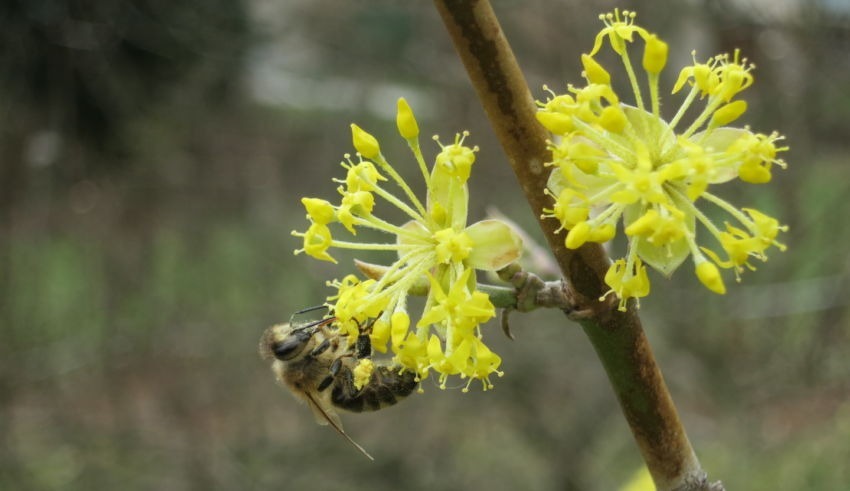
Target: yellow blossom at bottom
pixel 627 280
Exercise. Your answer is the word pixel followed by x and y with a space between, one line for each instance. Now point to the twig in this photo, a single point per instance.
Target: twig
pixel 617 337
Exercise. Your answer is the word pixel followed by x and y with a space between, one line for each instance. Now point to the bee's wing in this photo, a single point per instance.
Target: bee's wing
pixel 322 411
pixel 326 415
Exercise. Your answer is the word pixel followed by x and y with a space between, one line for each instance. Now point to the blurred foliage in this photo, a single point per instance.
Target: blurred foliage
pixel 88 68
pixel 152 155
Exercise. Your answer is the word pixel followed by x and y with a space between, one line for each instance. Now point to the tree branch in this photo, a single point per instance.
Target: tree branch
pixel 617 337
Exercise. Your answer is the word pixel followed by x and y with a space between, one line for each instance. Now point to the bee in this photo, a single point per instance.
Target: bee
pixel 317 365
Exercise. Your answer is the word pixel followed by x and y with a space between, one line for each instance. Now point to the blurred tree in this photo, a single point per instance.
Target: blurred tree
pixel 78 72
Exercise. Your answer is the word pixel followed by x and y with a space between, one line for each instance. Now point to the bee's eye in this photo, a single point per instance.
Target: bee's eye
pixel 291 346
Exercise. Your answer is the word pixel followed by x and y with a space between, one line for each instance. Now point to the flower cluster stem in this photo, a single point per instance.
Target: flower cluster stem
pixel 618 338
pixel 529 291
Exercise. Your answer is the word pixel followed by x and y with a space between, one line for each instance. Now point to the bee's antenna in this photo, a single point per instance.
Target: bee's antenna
pixel 317 324
pixel 311 309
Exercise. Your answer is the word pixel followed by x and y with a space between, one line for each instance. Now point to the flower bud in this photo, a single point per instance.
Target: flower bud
pixel 557 123
pixel 654 55
pixel 406 122
pixel 613 119
pixel 602 233
pixel 365 143
pixel 593 71
pixel 577 235
pixel 728 113
pixel 709 275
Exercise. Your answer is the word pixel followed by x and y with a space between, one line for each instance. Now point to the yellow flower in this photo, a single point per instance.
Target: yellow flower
pixel 627 280
pixel 435 245
pixel 317 240
pixel 318 210
pixel 618 29
pixel 459 309
pixel 615 162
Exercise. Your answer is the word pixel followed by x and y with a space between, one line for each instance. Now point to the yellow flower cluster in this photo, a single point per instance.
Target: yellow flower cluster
pixel 436 250
pixel 613 161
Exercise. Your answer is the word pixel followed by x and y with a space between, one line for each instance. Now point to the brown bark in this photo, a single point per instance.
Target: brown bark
pixel 618 337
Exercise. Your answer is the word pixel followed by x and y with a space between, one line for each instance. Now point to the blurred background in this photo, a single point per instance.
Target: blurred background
pixel 152 159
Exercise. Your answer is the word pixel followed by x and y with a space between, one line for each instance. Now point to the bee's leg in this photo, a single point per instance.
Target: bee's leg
pixel 321 348
pixel 325 383
pixel 345 379
pixel 334 370
pixel 344 394
pixel 363 347
pixel 335 367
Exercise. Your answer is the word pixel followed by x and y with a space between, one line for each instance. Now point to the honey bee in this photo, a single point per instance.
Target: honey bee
pixel 317 365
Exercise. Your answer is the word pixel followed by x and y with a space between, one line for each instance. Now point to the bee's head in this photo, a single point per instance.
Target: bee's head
pixel 285 343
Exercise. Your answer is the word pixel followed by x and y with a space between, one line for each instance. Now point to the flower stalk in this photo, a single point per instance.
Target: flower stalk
pixel 617 335
pixel 528 291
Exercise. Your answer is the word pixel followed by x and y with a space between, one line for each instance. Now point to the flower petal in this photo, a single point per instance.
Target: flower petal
pixel 495 245
pixel 588 184
pixel 650 128
pixel 448 199
pixel 664 259
pixel 416 234
pixel 718 141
